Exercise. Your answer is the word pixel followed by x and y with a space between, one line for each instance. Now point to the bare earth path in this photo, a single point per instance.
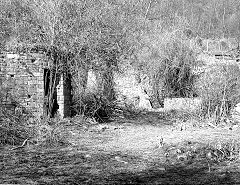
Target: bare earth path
pixel 141 151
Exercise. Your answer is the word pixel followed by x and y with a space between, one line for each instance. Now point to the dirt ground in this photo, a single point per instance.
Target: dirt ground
pixel 145 150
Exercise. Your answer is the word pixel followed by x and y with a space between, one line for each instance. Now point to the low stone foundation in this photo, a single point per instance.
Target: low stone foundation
pixel 182 104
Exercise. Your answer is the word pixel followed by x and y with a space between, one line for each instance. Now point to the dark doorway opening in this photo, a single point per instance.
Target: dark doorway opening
pixel 50 93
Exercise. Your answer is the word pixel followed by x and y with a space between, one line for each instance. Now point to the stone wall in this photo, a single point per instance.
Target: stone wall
pixel 182 104
pixel 22 76
pixel 22 83
pixel 64 97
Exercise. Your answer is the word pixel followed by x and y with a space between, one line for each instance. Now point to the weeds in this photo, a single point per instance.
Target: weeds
pixel 99 102
pixel 214 152
pixel 169 64
pixel 178 79
pixel 95 106
pixel 51 133
pixel 13 117
pixel 219 89
pixel 18 125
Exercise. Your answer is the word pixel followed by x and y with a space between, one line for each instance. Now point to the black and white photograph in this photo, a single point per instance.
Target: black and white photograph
pixel 119 92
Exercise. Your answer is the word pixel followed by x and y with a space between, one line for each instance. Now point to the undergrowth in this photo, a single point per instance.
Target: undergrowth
pixel 168 62
pixel 214 152
pixel 219 87
pixel 96 106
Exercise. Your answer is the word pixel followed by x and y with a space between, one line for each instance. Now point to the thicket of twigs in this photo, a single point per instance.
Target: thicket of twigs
pixel 219 88
pixel 168 60
pixel 100 36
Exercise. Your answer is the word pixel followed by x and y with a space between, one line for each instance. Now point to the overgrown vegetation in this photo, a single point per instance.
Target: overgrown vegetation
pixel 102 35
pixel 95 106
pixel 12 116
pixel 219 89
pixel 169 64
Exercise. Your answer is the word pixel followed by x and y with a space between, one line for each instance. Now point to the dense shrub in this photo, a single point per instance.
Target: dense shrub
pixel 169 62
pixel 219 88
pixel 95 105
pixel 177 70
pixel 98 101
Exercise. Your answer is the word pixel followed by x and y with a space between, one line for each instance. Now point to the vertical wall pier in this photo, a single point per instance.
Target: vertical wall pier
pixel 64 97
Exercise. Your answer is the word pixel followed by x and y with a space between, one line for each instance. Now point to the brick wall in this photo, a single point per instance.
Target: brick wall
pixel 22 77
pixel 22 83
pixel 64 97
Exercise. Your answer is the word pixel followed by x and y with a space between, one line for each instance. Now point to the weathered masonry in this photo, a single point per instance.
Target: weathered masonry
pixel 33 82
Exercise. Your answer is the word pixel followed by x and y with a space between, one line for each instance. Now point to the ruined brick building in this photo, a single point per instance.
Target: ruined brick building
pixel 36 81
pixel 32 80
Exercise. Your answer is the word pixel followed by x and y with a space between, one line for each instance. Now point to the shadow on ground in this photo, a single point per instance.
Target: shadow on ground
pixel 175 175
pixel 149 118
pixel 83 166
